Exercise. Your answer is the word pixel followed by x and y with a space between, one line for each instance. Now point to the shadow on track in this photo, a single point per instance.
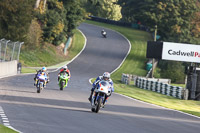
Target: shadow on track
pixel 18 90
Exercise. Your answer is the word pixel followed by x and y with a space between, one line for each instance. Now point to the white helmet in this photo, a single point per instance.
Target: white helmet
pixel 65 67
pixel 106 75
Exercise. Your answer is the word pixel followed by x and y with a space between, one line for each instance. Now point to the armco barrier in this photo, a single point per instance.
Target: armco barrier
pixel 8 68
pixel 163 88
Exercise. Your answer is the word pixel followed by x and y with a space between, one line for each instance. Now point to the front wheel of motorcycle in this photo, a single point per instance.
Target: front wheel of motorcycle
pixel 98 105
pixel 93 109
pixel 62 85
pixel 38 89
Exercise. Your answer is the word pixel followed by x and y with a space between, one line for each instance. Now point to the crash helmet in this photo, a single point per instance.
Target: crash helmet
pixel 65 67
pixel 106 75
pixel 44 69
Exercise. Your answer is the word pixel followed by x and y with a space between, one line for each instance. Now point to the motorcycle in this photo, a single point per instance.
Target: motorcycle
pixel 41 80
pixel 101 91
pixel 63 80
pixel 104 34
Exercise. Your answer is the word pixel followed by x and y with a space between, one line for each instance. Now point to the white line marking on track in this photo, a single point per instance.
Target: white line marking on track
pixel 5 120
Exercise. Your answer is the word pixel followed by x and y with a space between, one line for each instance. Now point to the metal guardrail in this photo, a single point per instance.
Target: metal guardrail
pixel 9 50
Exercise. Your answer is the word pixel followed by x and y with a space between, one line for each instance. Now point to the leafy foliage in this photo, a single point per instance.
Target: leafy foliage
pixel 103 8
pixel 15 19
pixel 26 20
pixel 53 21
pixel 172 70
pixel 173 17
pixel 60 19
pixel 34 34
pixel 74 15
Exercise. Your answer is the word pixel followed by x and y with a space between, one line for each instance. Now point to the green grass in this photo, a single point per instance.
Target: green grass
pixel 47 56
pixel 135 64
pixel 4 129
pixel 188 106
pixel 77 45
pixel 180 85
pixel 39 57
pixel 28 70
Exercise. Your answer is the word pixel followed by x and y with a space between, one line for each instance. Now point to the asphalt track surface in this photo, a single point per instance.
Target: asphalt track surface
pixel 68 111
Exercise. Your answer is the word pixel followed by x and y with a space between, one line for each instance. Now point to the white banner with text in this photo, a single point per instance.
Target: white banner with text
pixel 181 52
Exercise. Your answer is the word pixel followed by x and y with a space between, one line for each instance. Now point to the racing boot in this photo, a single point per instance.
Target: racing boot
pixel 104 103
pixel 90 98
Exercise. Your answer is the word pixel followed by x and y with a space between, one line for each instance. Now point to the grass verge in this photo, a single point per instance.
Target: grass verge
pixel 4 129
pixel 48 56
pixel 135 64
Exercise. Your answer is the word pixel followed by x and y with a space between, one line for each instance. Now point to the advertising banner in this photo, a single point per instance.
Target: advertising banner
pixel 181 52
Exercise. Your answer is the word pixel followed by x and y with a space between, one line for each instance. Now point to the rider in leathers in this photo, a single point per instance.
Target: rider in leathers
pixel 43 70
pixel 106 77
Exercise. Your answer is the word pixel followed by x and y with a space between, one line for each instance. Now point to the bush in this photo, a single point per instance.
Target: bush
pixel 172 70
pixel 34 34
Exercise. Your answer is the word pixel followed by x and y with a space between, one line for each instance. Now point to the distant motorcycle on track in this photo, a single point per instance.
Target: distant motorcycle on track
pixel 104 34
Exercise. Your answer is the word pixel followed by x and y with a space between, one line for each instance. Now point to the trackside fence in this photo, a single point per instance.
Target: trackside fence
pixel 9 50
pixel 157 85
pixel 163 88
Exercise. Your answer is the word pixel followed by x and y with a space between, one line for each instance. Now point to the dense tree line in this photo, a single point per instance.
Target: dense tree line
pixel 174 18
pixel 37 21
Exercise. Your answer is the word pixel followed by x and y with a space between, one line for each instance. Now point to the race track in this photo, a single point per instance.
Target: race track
pixel 68 111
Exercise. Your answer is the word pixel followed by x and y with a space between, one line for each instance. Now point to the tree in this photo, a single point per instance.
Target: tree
pixel 173 17
pixel 16 16
pixel 53 22
pixel 172 70
pixel 37 4
pixel 59 20
pixel 103 8
pixel 74 15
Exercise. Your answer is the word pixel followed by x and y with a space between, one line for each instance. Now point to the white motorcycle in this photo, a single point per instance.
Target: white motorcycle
pixel 40 81
pixel 101 91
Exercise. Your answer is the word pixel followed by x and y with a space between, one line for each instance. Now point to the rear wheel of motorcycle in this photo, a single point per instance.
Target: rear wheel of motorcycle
pixel 98 105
